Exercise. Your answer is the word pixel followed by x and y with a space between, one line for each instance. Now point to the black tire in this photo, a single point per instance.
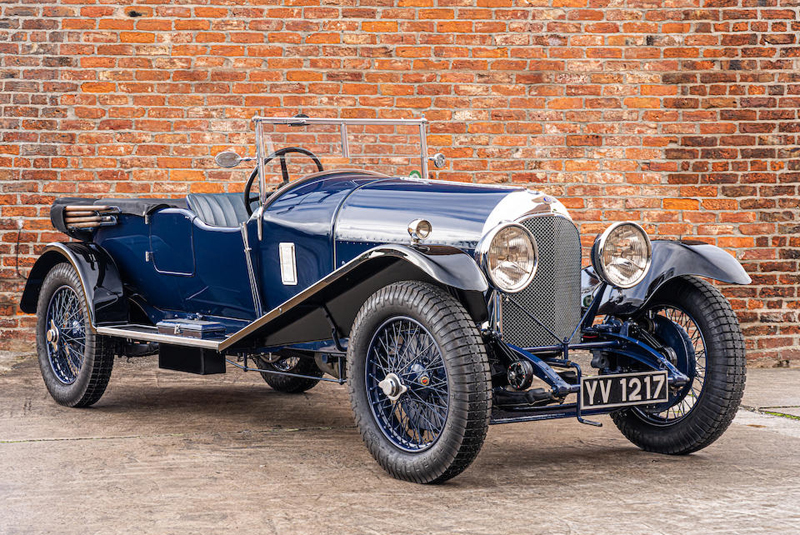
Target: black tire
pixel 69 383
pixel 713 409
pixel 292 363
pixel 463 356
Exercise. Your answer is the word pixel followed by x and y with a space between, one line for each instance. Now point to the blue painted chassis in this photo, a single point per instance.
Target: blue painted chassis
pixel 620 343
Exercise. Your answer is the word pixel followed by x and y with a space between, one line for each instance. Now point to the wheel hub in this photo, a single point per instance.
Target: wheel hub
pixel 393 387
pixel 420 380
pixel 52 335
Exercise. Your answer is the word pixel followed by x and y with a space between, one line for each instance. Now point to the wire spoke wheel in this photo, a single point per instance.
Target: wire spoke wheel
pixel 686 398
pixel 66 335
pixel 419 382
pixel 693 318
pixel 407 384
pixel 289 361
pixel 75 361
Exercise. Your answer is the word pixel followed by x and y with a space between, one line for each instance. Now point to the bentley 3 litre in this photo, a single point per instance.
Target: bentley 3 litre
pixel 445 307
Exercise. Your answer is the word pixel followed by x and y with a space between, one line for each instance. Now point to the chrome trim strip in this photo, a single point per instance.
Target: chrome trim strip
pixel 302 121
pixel 497 311
pixel 423 149
pixel 261 153
pixel 288 263
pixel 345 144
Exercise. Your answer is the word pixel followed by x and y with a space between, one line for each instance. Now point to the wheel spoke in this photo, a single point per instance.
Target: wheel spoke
pixel 687 397
pixel 71 310
pixel 404 349
pixel 66 335
pixel 435 411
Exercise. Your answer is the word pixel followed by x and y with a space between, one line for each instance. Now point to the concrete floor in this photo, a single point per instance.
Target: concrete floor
pixel 165 452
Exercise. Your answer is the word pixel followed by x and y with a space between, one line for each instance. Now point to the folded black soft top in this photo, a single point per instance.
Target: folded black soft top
pixel 140 207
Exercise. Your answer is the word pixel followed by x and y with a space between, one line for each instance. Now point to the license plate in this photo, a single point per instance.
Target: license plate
pixel 624 389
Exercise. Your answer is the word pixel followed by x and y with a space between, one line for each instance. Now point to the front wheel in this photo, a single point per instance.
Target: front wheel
pixel 419 382
pixel 714 359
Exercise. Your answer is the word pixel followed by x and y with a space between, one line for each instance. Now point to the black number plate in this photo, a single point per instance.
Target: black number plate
pixel 624 389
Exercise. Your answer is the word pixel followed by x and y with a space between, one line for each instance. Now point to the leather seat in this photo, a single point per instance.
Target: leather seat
pixel 218 209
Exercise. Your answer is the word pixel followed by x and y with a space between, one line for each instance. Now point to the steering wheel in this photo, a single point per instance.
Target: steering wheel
pixel 280 153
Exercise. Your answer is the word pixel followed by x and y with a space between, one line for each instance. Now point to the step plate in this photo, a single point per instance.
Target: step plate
pixel 147 333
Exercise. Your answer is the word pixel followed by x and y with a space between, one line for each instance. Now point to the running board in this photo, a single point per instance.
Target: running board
pixel 148 333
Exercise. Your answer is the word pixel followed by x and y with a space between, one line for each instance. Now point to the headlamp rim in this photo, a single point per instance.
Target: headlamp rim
pixel 599 246
pixel 482 255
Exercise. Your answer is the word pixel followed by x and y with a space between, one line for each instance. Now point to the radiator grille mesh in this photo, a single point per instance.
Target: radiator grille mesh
pixel 553 296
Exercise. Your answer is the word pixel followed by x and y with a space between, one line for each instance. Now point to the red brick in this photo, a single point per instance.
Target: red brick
pixel 594 141
pixel 683 119
pixel 98 87
pixel 379 26
pixel 641 102
pixel 681 204
pixel 137 37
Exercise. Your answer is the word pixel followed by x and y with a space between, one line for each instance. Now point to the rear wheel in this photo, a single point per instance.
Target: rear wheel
pixel 75 362
pixel 699 412
pixel 290 362
pixel 419 382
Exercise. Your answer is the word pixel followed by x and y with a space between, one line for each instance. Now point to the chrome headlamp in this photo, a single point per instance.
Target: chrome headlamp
pixel 621 255
pixel 508 255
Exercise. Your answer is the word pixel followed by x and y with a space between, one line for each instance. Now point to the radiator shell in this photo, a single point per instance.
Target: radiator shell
pixel 553 296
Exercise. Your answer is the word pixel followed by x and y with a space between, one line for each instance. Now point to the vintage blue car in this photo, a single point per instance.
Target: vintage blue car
pixel 445 307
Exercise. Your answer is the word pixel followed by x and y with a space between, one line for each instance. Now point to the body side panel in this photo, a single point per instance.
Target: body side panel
pixel 303 216
pixel 217 283
pixel 302 317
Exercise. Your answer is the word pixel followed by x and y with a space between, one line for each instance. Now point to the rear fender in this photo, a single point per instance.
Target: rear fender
pixel 337 298
pixel 671 259
pixel 99 277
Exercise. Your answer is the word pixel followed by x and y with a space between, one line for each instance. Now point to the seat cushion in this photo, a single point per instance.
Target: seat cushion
pixel 218 209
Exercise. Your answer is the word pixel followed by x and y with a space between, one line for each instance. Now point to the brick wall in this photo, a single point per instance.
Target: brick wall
pixel 681 114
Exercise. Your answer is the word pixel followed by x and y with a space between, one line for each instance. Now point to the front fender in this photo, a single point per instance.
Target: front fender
pixel 337 298
pixel 670 259
pixel 447 265
pixel 99 277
